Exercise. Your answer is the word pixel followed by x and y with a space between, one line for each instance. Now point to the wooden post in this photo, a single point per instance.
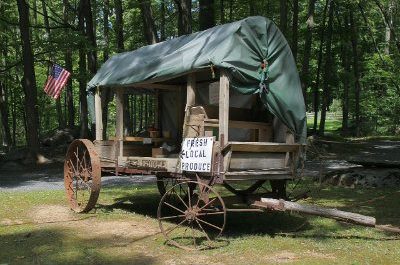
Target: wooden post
pixel 98 115
pixel 224 117
pixel 119 128
pixel 190 91
pixel 223 108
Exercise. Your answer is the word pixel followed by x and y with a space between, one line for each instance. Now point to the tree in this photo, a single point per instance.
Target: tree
pixel 305 72
pixel 149 27
pixel 295 26
pixel 283 16
pixel 206 14
pixel 357 84
pixel 84 129
pixel 328 69
pixel 184 16
pixel 4 117
pixel 29 80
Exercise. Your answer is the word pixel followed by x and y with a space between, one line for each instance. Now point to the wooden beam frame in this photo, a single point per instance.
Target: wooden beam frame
pixel 98 115
pixel 190 91
pixel 119 128
pixel 223 108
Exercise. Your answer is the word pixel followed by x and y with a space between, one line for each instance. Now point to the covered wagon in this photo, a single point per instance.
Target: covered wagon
pixel 228 108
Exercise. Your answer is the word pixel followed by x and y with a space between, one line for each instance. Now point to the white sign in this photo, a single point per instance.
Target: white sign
pixel 196 154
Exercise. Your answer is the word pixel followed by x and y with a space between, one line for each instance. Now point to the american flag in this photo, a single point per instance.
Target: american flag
pixel 56 81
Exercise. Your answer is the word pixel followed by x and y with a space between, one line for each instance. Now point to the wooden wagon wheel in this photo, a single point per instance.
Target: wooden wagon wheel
pixel 194 221
pixel 82 175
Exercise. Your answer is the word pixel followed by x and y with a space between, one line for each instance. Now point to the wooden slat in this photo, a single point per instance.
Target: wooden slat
pixel 254 172
pixel 266 147
pixel 140 139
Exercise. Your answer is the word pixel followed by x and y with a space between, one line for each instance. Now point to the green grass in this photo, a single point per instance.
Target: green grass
pixel 124 230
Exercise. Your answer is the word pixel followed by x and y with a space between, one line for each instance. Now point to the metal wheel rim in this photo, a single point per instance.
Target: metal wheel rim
pixel 82 175
pixel 195 222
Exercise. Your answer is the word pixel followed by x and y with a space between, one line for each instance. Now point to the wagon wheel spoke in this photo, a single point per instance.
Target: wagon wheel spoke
pixel 180 198
pixel 171 217
pixel 206 214
pixel 189 199
pixel 193 236
pixel 175 227
pixel 208 203
pixel 201 227
pixel 173 207
pixel 207 223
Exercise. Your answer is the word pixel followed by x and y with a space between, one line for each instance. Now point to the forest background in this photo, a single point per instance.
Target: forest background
pixel 347 53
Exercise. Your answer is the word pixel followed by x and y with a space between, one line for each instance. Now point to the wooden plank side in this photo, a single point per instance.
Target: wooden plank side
pixel 263 147
pixel 244 161
pixel 150 163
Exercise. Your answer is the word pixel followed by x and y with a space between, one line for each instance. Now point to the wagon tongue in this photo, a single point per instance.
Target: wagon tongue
pixel 348 217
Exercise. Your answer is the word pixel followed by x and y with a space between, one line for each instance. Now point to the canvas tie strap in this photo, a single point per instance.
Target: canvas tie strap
pixel 264 76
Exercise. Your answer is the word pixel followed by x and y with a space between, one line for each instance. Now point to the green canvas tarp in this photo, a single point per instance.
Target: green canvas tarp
pixel 239 47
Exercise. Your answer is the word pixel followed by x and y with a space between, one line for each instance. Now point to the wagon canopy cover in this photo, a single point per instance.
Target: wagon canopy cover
pixel 239 47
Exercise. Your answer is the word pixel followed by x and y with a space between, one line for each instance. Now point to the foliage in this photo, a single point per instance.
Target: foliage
pixel 378 57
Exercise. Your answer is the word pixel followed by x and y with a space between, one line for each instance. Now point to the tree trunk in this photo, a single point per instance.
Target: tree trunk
pixel 251 8
pixel 389 23
pixel 162 23
pixel 305 71
pixel 295 28
pixel 4 116
pixel 283 16
pixel 345 47
pixel 119 29
pixel 357 84
pixel 68 66
pixel 184 16
pixel 222 11
pixel 106 94
pixel 206 14
pixel 29 80
pixel 320 52
pixel 149 27
pixel 92 54
pixel 328 70
pixel 84 129
pixel 231 3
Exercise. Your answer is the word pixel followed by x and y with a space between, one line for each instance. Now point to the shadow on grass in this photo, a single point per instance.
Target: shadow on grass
pixel 59 246
pixel 380 203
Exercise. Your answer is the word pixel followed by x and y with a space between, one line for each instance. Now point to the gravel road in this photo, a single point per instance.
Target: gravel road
pixel 51 178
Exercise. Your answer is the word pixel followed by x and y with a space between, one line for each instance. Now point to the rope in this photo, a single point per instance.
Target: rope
pixel 264 77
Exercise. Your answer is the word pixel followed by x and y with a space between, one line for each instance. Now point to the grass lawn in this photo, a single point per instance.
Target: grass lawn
pixel 37 228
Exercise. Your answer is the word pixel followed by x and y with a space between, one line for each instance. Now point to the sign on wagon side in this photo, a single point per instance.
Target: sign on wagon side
pixel 196 154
